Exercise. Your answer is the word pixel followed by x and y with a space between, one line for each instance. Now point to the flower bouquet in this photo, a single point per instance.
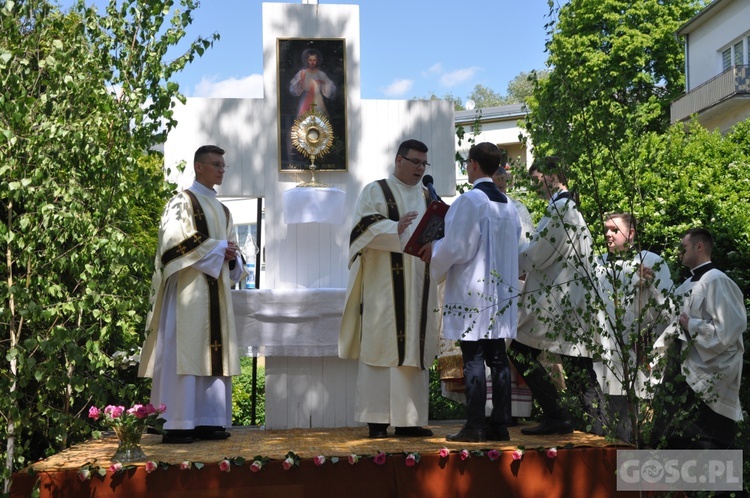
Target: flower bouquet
pixel 129 426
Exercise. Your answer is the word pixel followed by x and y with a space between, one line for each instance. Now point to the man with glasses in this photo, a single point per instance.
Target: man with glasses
pixel 389 323
pixel 191 347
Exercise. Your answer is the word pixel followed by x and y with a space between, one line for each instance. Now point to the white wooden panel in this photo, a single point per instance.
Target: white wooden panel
pixel 277 416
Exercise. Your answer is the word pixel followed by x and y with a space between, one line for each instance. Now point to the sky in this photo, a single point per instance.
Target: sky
pixel 409 48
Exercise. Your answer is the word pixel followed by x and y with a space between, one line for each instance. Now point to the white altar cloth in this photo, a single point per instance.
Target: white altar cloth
pixel 288 322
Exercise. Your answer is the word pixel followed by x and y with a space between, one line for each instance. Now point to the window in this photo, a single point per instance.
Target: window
pixel 737 54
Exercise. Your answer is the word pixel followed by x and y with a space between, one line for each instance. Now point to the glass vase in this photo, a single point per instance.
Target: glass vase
pixel 129 447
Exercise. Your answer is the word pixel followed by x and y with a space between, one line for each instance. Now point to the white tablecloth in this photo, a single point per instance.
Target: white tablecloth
pixel 288 322
pixel 314 205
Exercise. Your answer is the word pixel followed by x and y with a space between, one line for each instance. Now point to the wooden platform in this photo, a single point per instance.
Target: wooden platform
pixel 584 466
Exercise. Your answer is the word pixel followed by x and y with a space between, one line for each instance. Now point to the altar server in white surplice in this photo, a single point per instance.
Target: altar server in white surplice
pixel 552 312
pixel 478 257
pixel 634 286
pixel 389 322
pixel 704 348
pixel 191 347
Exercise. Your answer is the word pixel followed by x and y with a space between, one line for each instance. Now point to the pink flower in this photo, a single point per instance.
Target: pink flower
pixel 162 408
pixel 114 411
pixel 411 460
pixel 151 466
pixel 140 411
pixel 319 460
pixel 380 458
pixel 353 459
pixel 149 409
pixel 493 455
pixel 288 463
pixel 94 413
pixel 256 466
pixel 518 454
pixel 84 475
pixel 185 465
pixel 225 465
pixel 464 454
pixel 444 452
pixel 552 452
pixel 115 467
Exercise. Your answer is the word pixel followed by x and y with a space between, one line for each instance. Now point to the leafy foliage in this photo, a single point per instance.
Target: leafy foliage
pixel 615 68
pixel 85 98
pixel 242 388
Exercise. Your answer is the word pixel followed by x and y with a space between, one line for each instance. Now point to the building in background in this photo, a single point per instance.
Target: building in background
pixel 717 66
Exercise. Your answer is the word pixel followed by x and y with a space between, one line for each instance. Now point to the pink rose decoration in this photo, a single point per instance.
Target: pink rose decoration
pixel 444 452
pixel 151 466
pixel 493 455
pixel 517 454
pixel 149 409
pixel 353 459
pixel 114 411
pixel 225 466
pixel 380 458
pixel 185 465
pixel 115 467
pixel 288 463
pixel 162 408
pixel 552 452
pixel 464 454
pixel 94 413
pixel 256 466
pixel 84 475
pixel 411 461
pixel 319 460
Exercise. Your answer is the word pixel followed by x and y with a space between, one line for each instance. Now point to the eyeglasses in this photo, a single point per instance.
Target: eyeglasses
pixel 417 162
pixel 216 164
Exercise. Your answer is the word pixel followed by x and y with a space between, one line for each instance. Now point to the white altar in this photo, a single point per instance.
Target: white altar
pixel 296 331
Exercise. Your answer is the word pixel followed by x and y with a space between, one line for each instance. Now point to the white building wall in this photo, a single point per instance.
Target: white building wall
pixel 711 34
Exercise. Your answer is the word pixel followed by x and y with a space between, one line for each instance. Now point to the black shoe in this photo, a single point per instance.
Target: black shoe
pixel 549 426
pixel 468 435
pixel 378 431
pixel 497 433
pixel 177 436
pixel 413 432
pixel 209 435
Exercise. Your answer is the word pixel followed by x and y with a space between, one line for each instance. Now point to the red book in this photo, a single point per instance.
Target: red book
pixel 430 227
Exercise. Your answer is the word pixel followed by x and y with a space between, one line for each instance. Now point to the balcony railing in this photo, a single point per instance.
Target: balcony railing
pixel 732 82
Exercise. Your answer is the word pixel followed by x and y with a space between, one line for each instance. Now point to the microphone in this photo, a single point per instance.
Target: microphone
pixel 427 182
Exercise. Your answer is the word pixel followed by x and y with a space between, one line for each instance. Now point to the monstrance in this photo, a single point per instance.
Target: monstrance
pixel 312 136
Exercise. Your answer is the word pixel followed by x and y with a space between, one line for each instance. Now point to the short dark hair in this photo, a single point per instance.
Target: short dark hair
pixel 701 235
pixel 204 150
pixel 549 165
pixel 487 155
pixel 628 218
pixel 408 145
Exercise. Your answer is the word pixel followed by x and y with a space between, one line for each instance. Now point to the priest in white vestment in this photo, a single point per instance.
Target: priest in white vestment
pixel 706 342
pixel 478 258
pixel 190 350
pixel 389 322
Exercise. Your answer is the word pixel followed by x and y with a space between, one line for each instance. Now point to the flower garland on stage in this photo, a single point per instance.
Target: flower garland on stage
pixel 292 460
